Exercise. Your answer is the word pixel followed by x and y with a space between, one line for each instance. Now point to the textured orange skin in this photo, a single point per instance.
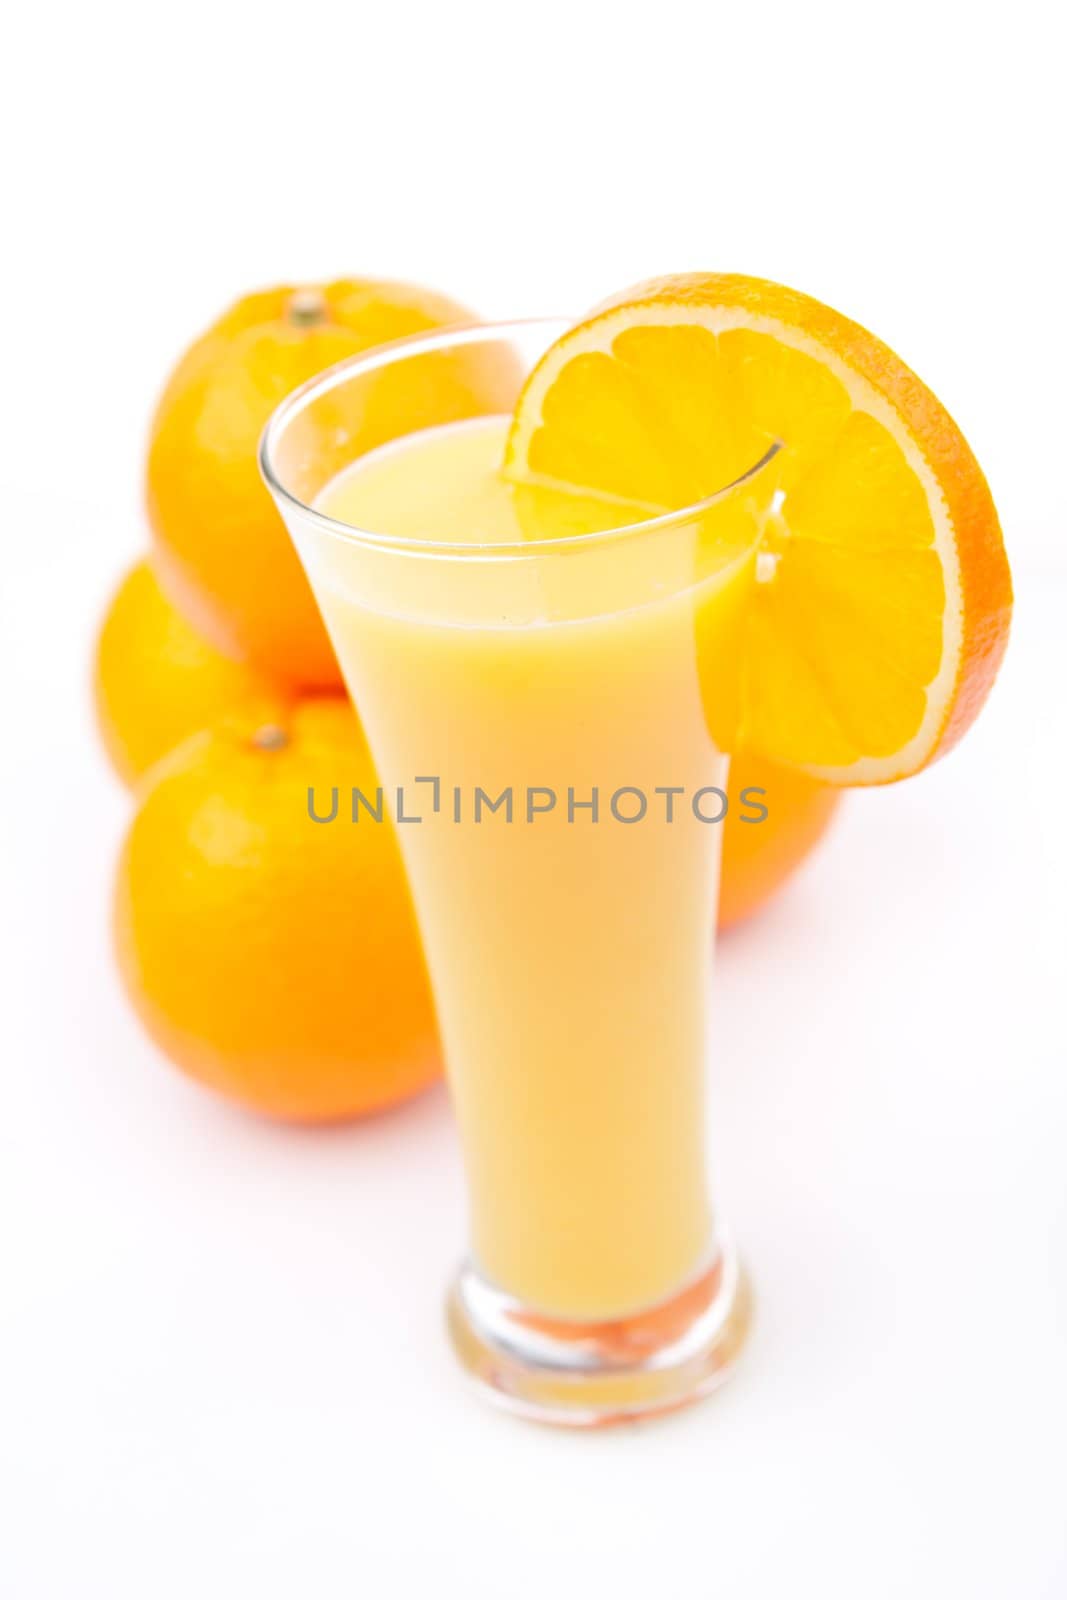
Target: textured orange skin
pixel 759 857
pixel 272 958
pixel 222 552
pixel 156 680
pixel 985 576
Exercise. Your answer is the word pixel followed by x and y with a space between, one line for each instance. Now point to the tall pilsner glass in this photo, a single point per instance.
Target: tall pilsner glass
pixel 547 709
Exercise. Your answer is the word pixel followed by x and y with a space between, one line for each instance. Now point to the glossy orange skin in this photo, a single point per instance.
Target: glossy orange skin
pixel 273 958
pixel 156 679
pixel 222 552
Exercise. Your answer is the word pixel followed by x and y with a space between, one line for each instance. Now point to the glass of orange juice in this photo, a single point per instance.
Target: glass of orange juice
pixel 545 681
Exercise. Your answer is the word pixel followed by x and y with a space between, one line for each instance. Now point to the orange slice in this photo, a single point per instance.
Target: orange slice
pixel 882 610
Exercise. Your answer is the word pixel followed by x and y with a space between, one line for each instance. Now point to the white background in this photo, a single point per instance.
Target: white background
pixel 222 1371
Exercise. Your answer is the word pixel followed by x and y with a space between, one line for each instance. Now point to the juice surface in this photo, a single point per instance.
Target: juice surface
pixel 569 956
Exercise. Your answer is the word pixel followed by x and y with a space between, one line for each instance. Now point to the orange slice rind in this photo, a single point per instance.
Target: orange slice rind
pixel 884 600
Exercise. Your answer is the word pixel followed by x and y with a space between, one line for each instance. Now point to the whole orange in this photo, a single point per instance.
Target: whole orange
pixel 759 856
pixel 222 551
pixel 156 680
pixel 272 957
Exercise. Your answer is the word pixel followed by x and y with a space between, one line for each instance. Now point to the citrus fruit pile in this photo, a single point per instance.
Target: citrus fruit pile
pixel 275 962
pixel 279 963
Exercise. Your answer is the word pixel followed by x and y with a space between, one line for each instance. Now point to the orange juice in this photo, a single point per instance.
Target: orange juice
pixel 568 930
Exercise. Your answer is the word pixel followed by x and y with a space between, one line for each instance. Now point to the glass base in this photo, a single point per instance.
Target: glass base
pixel 594 1374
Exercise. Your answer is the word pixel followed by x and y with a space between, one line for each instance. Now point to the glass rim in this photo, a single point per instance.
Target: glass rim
pixel 455 334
